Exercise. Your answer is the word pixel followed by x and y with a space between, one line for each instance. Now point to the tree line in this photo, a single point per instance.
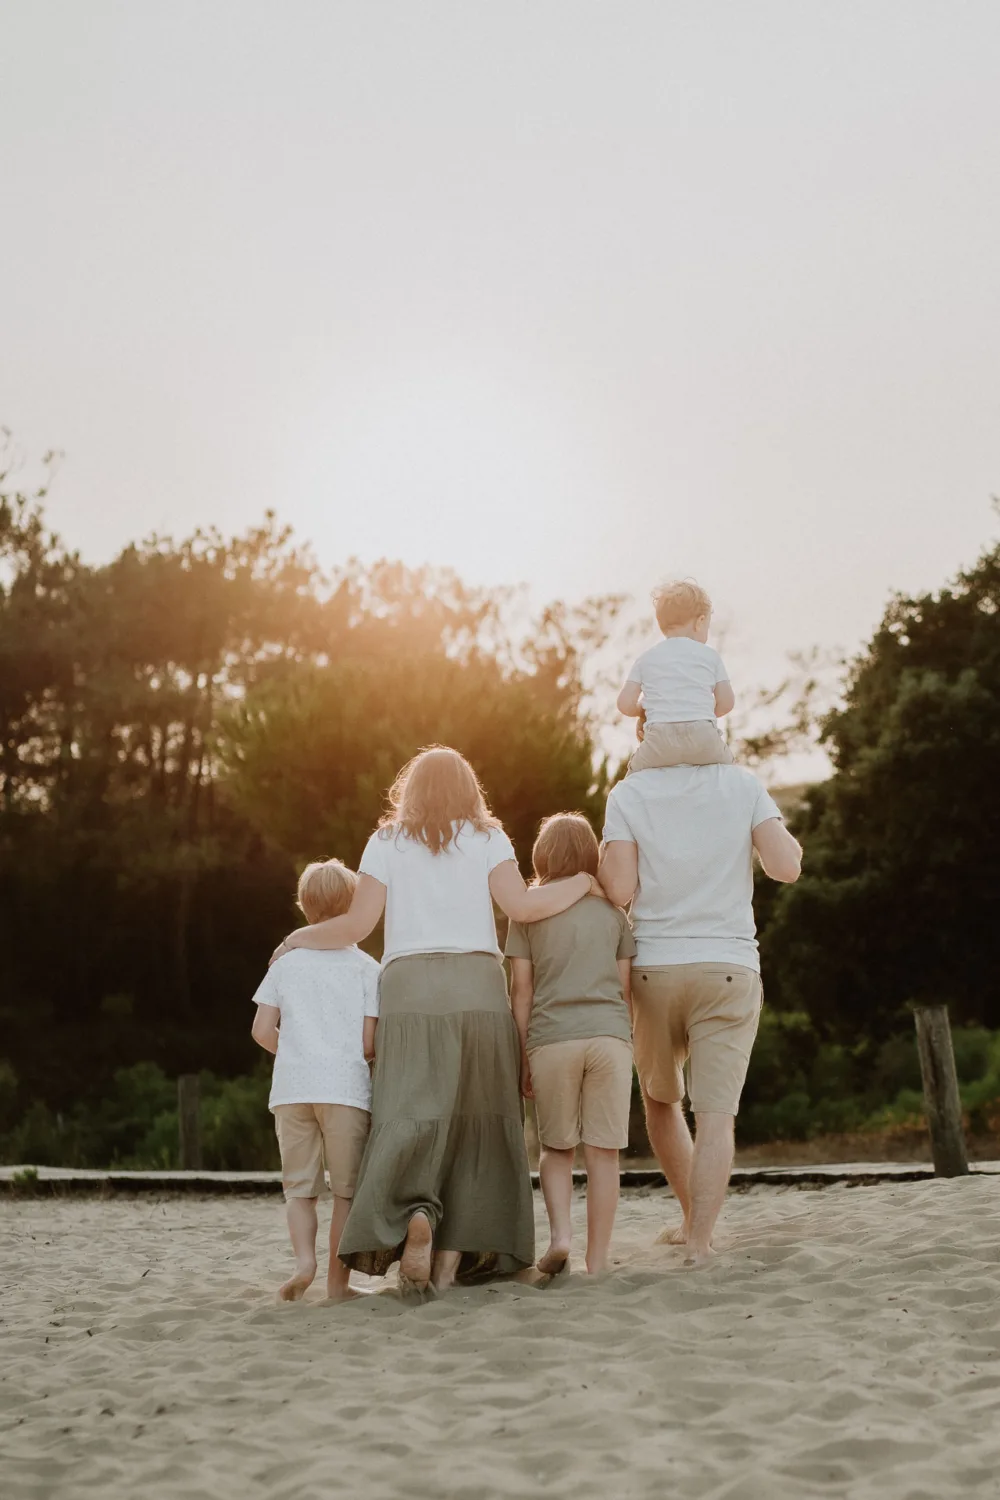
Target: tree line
pixel 184 725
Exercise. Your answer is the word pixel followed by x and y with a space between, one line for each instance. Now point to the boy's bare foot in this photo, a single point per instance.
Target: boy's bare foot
pixel 415 1261
pixel 555 1260
pixel 296 1286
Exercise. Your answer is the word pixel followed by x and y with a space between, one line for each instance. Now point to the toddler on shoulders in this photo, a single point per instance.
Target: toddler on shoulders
pixel 679 687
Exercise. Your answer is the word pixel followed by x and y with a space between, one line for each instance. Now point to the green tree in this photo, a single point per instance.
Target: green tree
pixel 898 899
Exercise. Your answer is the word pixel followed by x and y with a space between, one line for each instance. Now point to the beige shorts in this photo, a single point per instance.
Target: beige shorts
pixel 582 1092
pixel 697 743
pixel 308 1135
pixel 704 1015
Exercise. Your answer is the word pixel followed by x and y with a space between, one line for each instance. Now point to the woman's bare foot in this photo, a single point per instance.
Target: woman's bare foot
pixel 296 1286
pixel 444 1269
pixel 415 1261
pixel 555 1260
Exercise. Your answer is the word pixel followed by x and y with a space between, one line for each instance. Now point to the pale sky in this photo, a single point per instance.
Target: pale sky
pixel 569 292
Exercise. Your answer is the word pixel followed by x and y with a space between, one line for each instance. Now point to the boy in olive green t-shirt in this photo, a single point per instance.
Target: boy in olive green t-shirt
pixel 571 999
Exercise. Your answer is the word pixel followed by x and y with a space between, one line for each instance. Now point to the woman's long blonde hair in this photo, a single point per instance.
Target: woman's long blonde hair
pixel 435 792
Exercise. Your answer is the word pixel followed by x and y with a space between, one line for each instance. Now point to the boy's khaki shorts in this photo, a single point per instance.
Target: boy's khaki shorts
pixel 705 1015
pixel 310 1133
pixel 697 743
pixel 582 1092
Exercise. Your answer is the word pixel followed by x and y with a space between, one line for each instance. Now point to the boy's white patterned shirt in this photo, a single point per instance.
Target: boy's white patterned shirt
pixel 323 997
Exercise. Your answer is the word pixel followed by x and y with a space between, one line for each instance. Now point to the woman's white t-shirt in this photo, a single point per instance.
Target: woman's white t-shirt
pixel 437 903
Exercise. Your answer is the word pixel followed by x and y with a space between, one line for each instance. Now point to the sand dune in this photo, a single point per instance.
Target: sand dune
pixel 847 1342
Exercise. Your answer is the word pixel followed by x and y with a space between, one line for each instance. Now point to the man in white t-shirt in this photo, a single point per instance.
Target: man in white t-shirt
pixel 678 844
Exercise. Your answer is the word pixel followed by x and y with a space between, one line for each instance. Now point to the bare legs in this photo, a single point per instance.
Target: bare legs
pixel 673 1147
pixel 698 1171
pixel 338 1277
pixel 710 1169
pixel 555 1172
pixel 301 1213
pixel 602 1202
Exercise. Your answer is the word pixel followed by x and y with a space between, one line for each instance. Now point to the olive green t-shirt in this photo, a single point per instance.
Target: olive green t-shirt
pixel 578 993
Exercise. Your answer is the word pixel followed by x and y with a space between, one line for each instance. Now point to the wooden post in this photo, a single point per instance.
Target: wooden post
pixel 944 1107
pixel 188 1121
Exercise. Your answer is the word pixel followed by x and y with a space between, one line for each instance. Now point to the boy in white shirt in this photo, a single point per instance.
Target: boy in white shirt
pixel 679 687
pixel 317 1012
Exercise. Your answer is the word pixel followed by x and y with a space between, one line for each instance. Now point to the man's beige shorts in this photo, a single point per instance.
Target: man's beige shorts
pixel 582 1092
pixel 705 1015
pixel 697 743
pixel 308 1134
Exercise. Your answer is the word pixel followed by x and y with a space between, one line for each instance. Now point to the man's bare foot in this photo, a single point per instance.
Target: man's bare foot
pixel 675 1236
pixel 695 1259
pixel 295 1287
pixel 415 1261
pixel 554 1261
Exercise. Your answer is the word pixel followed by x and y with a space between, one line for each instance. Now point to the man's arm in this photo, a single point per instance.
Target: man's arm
pixel 780 853
pixel 618 871
pixel 368 1037
pixel 265 1027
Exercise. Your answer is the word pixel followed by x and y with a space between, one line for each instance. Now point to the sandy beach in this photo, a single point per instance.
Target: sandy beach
pixel 846 1342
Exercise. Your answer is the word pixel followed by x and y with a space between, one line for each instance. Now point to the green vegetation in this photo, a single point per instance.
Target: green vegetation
pixel 182 726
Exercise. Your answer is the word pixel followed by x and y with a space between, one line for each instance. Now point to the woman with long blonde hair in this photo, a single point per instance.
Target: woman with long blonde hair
pixel 444 1183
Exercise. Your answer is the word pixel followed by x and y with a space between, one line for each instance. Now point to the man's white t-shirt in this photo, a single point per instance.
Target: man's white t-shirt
pixel 323 997
pixel 437 903
pixel 678 677
pixel 693 827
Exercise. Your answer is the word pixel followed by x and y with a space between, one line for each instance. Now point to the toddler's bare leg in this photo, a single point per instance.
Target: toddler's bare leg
pixel 301 1213
pixel 338 1277
pixel 555 1170
pixel 602 1203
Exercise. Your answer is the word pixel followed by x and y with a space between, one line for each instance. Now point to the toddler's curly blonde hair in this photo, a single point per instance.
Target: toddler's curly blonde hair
pixel 678 602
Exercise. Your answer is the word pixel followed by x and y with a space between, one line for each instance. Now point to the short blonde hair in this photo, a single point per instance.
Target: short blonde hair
pixel 433 794
pixel 679 601
pixel 326 889
pixel 566 845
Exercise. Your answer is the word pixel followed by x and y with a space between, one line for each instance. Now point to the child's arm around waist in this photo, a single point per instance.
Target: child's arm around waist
pixel 522 997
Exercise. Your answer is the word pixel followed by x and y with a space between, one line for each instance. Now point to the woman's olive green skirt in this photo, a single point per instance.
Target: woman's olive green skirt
pixel 447 1134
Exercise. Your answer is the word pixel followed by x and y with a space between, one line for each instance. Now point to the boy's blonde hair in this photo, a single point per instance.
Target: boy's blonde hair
pixel 566 845
pixel 678 602
pixel 434 791
pixel 326 889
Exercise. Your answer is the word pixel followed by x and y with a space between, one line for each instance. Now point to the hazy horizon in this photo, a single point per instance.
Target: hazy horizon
pixel 560 293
